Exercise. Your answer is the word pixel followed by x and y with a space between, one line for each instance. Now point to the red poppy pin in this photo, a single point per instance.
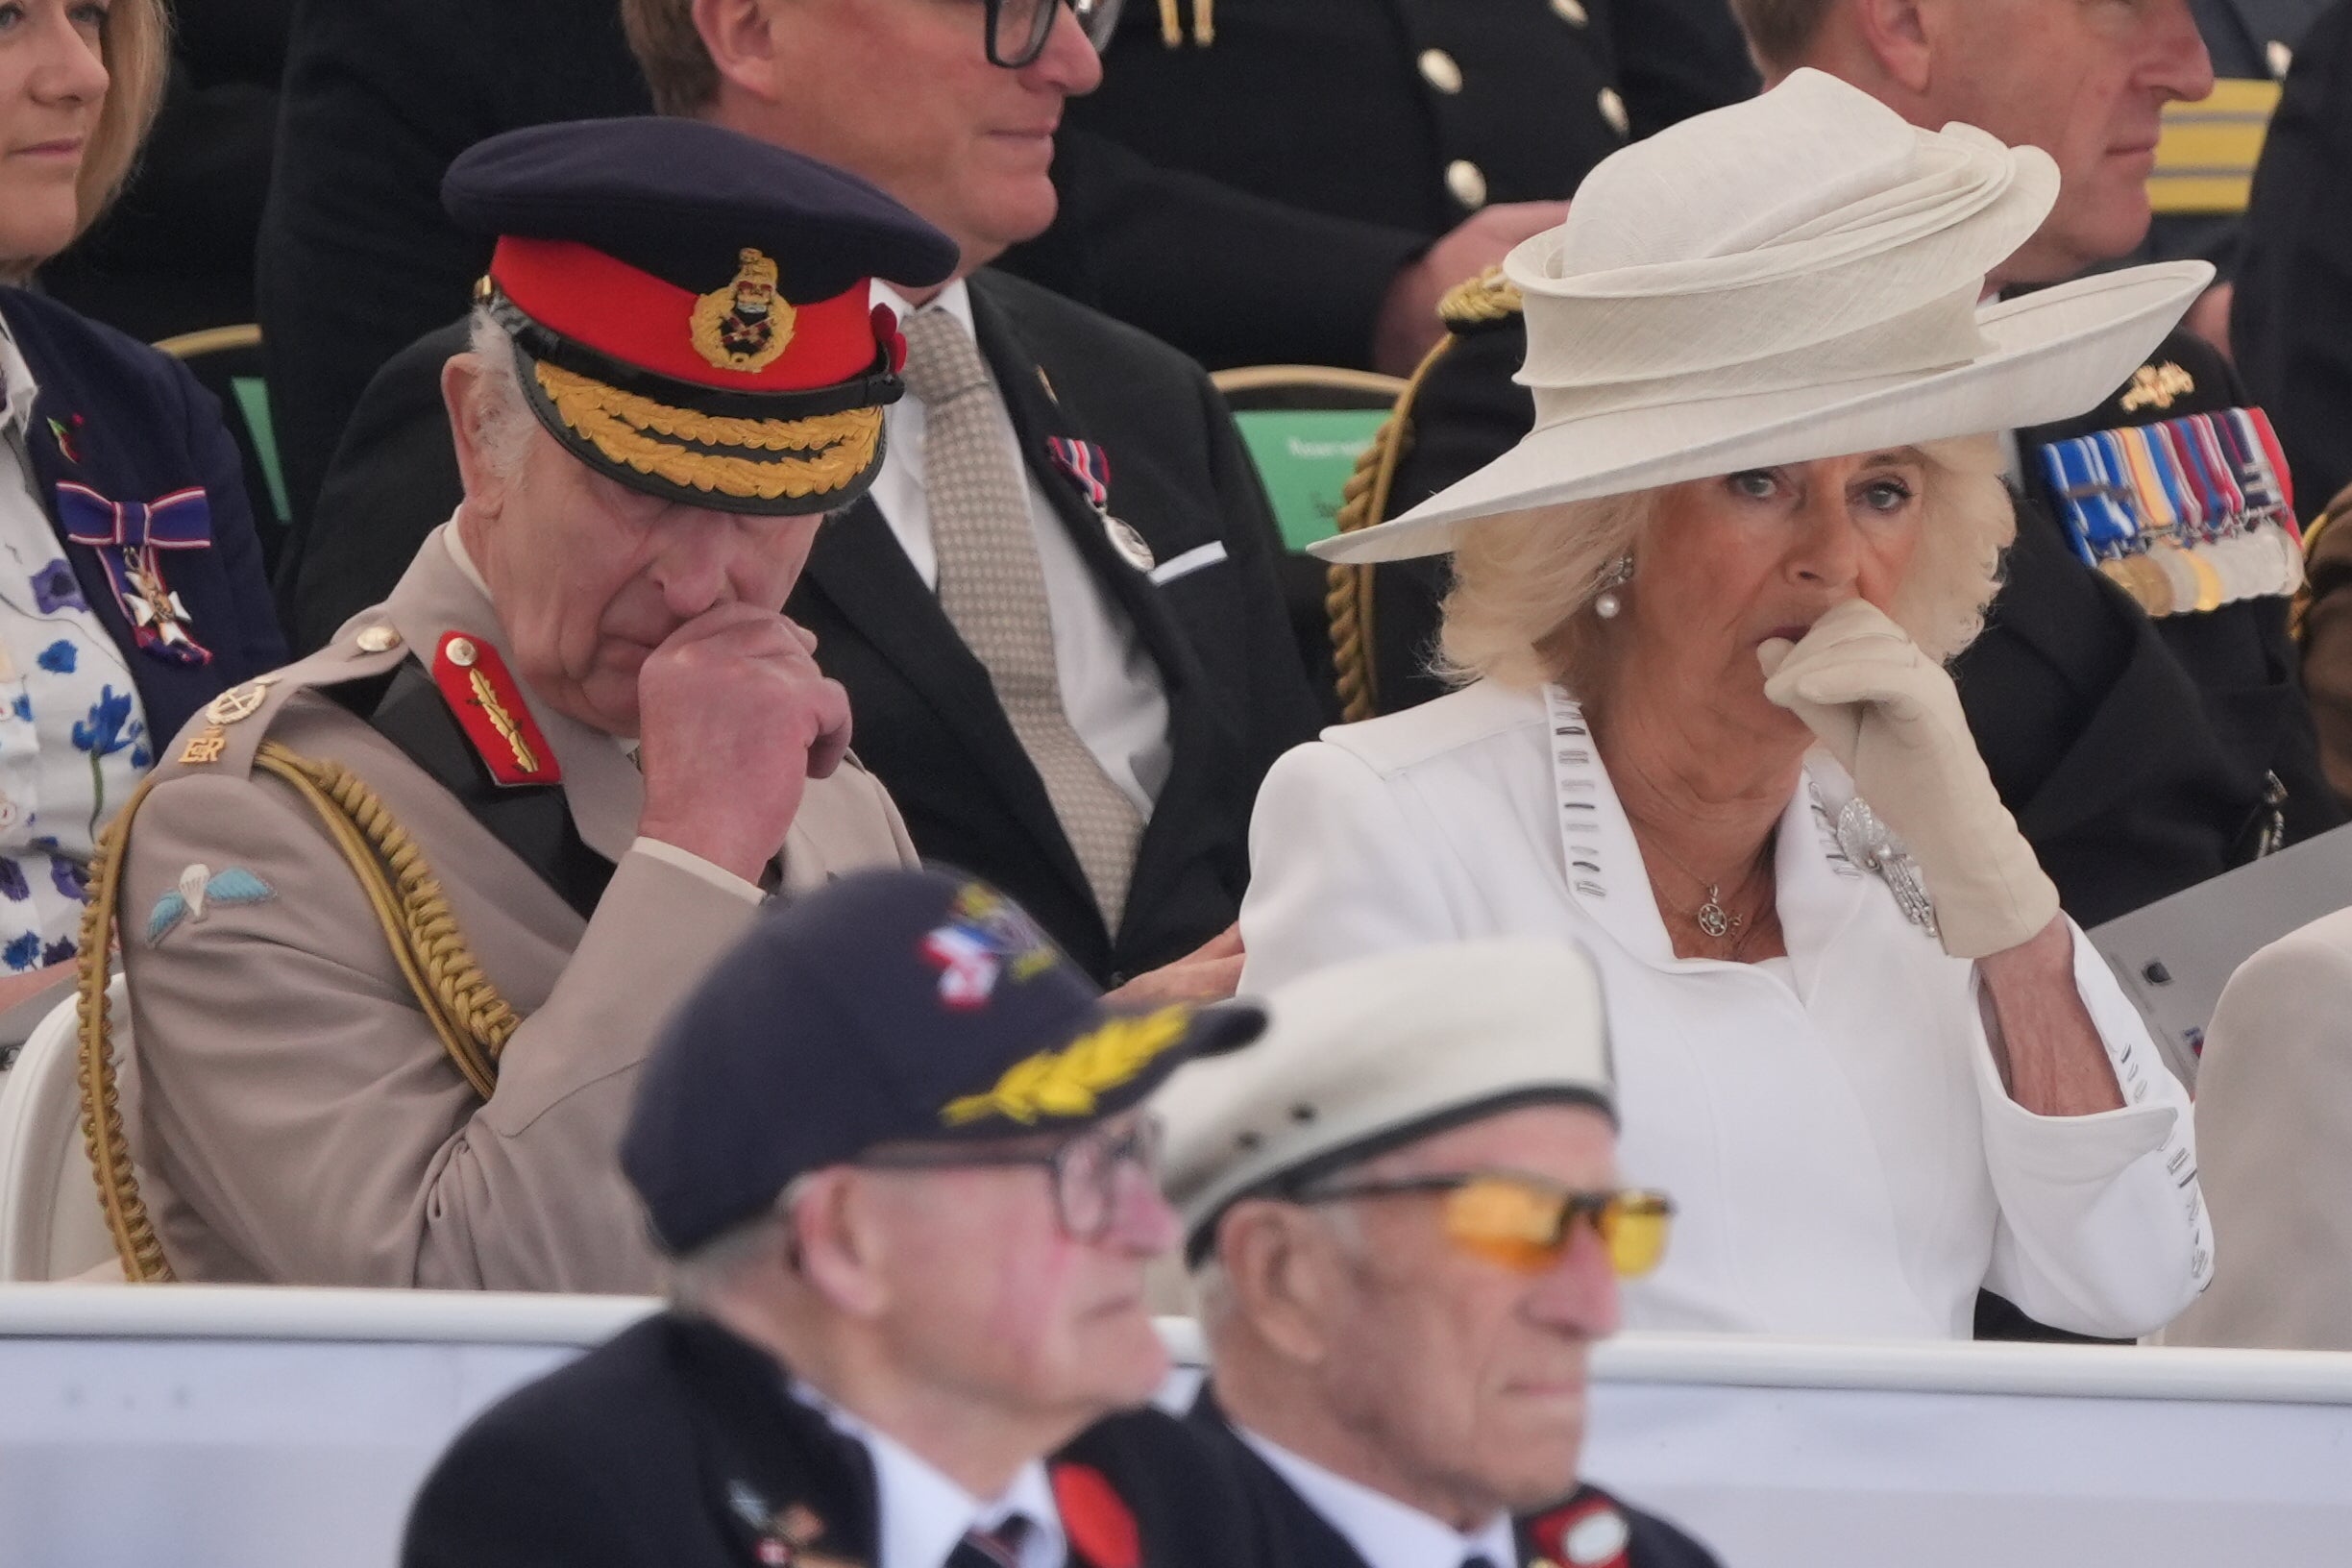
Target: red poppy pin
pixel 1589 1532
pixel 1099 1524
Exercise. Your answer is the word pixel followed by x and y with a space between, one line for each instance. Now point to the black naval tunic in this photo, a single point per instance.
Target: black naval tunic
pixel 2137 755
pixel 1289 1532
pixel 677 1445
pixel 1386 121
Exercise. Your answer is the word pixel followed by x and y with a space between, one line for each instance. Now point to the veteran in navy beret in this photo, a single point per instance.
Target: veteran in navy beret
pixel 401 921
pixel 899 1146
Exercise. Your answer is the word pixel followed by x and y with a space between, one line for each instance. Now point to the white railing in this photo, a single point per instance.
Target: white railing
pixel 281 1429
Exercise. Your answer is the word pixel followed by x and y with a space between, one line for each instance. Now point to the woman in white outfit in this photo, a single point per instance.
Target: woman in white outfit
pixel 1702 614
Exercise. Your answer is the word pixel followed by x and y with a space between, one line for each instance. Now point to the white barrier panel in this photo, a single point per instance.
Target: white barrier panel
pixel 260 1429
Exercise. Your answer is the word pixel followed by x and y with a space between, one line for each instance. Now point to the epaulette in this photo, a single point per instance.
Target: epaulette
pixel 223 736
pixel 1481 301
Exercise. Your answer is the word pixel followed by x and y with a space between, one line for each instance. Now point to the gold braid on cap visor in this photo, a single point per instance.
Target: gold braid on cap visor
pixel 834 449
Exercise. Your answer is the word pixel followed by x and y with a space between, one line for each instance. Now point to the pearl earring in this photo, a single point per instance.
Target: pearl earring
pixel 1606 603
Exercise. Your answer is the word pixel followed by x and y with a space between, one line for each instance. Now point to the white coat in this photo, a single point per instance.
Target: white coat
pixel 1836 1135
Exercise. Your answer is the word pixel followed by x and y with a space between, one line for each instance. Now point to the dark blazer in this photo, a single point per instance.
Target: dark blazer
pixel 117 417
pixel 2291 322
pixel 928 724
pixel 677 1445
pixel 1290 1532
pixel 2134 754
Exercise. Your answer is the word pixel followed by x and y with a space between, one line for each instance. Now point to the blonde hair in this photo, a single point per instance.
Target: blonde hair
pixel 676 63
pixel 1524 583
pixel 136 45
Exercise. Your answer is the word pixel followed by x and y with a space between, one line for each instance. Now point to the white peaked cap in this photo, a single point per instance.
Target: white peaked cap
pixel 1378 1052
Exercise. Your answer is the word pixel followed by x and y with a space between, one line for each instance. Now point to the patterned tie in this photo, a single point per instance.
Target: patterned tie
pixel 993 592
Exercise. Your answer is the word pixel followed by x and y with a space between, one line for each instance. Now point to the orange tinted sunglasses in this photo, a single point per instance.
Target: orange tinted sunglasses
pixel 1524 1222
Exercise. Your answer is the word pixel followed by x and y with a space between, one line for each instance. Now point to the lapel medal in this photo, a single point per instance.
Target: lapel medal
pixel 131 538
pixel 1088 466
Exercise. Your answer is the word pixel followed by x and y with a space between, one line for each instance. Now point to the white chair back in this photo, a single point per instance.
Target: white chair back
pixel 51 1227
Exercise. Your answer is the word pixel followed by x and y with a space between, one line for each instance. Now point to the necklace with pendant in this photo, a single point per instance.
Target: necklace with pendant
pixel 1711 917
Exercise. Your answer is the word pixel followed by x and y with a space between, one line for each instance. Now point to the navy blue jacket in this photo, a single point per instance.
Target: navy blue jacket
pixel 117 417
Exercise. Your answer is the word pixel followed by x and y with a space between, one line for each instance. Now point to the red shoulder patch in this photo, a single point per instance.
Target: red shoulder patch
pixel 1100 1525
pixel 1587 1533
pixel 478 689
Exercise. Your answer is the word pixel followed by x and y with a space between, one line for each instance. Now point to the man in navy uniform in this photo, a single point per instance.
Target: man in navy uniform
pixel 897 1150
pixel 2142 747
pixel 1403 1216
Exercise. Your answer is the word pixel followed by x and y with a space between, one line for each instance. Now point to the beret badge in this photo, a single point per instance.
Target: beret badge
pixel 745 325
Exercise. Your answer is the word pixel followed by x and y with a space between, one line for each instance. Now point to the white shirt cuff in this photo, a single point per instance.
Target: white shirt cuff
pixel 694 864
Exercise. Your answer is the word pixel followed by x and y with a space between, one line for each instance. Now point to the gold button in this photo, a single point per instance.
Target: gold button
pixel 1571 13
pixel 1438 70
pixel 1613 111
pixel 462 652
pixel 378 639
pixel 1467 184
pixel 2279 57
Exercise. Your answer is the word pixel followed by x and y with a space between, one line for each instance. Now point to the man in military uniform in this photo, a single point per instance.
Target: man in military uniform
pixel 908 1243
pixel 1057 612
pixel 1401 1212
pixel 400 921
pixel 1423 136
pixel 2142 747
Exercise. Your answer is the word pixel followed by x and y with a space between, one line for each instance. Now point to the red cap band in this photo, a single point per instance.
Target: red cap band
pixel 606 304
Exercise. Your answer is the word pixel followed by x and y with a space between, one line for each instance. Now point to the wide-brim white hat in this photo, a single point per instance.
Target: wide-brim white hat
pixel 1793 278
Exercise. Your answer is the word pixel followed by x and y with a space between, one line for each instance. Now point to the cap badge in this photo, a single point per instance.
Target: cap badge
pixel 985 934
pixel 1065 1083
pixel 746 326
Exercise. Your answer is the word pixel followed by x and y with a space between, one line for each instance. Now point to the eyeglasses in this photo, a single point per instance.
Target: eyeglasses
pixel 1523 1222
pixel 1084 1171
pixel 1018 29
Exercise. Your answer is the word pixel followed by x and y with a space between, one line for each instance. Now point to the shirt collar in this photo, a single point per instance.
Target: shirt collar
pixel 1385 1532
pixel 924 1514
pixel 955 299
pixel 18 387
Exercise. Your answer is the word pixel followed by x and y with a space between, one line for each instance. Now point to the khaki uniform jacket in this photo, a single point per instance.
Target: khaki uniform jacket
pixel 297 1119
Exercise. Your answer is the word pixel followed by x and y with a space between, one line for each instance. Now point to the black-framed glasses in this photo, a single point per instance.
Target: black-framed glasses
pixel 1018 29
pixel 1524 1222
pixel 1084 1171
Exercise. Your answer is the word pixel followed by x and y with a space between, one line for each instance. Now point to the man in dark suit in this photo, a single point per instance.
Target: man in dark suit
pixel 1401 1212
pixel 2139 754
pixel 1063 640
pixel 892 1304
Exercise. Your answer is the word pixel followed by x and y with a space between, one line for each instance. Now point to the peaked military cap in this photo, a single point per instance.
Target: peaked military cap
pixel 890 1007
pixel 690 306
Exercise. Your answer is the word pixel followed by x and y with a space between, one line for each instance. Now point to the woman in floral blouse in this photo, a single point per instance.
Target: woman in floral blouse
pixel 130 583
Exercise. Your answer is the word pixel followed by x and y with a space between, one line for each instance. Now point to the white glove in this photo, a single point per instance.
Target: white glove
pixel 1891 716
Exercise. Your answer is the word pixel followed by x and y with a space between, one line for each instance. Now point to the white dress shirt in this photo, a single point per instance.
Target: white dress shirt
pixel 922 1514
pixel 1111 688
pixel 1843 1158
pixel 1385 1532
